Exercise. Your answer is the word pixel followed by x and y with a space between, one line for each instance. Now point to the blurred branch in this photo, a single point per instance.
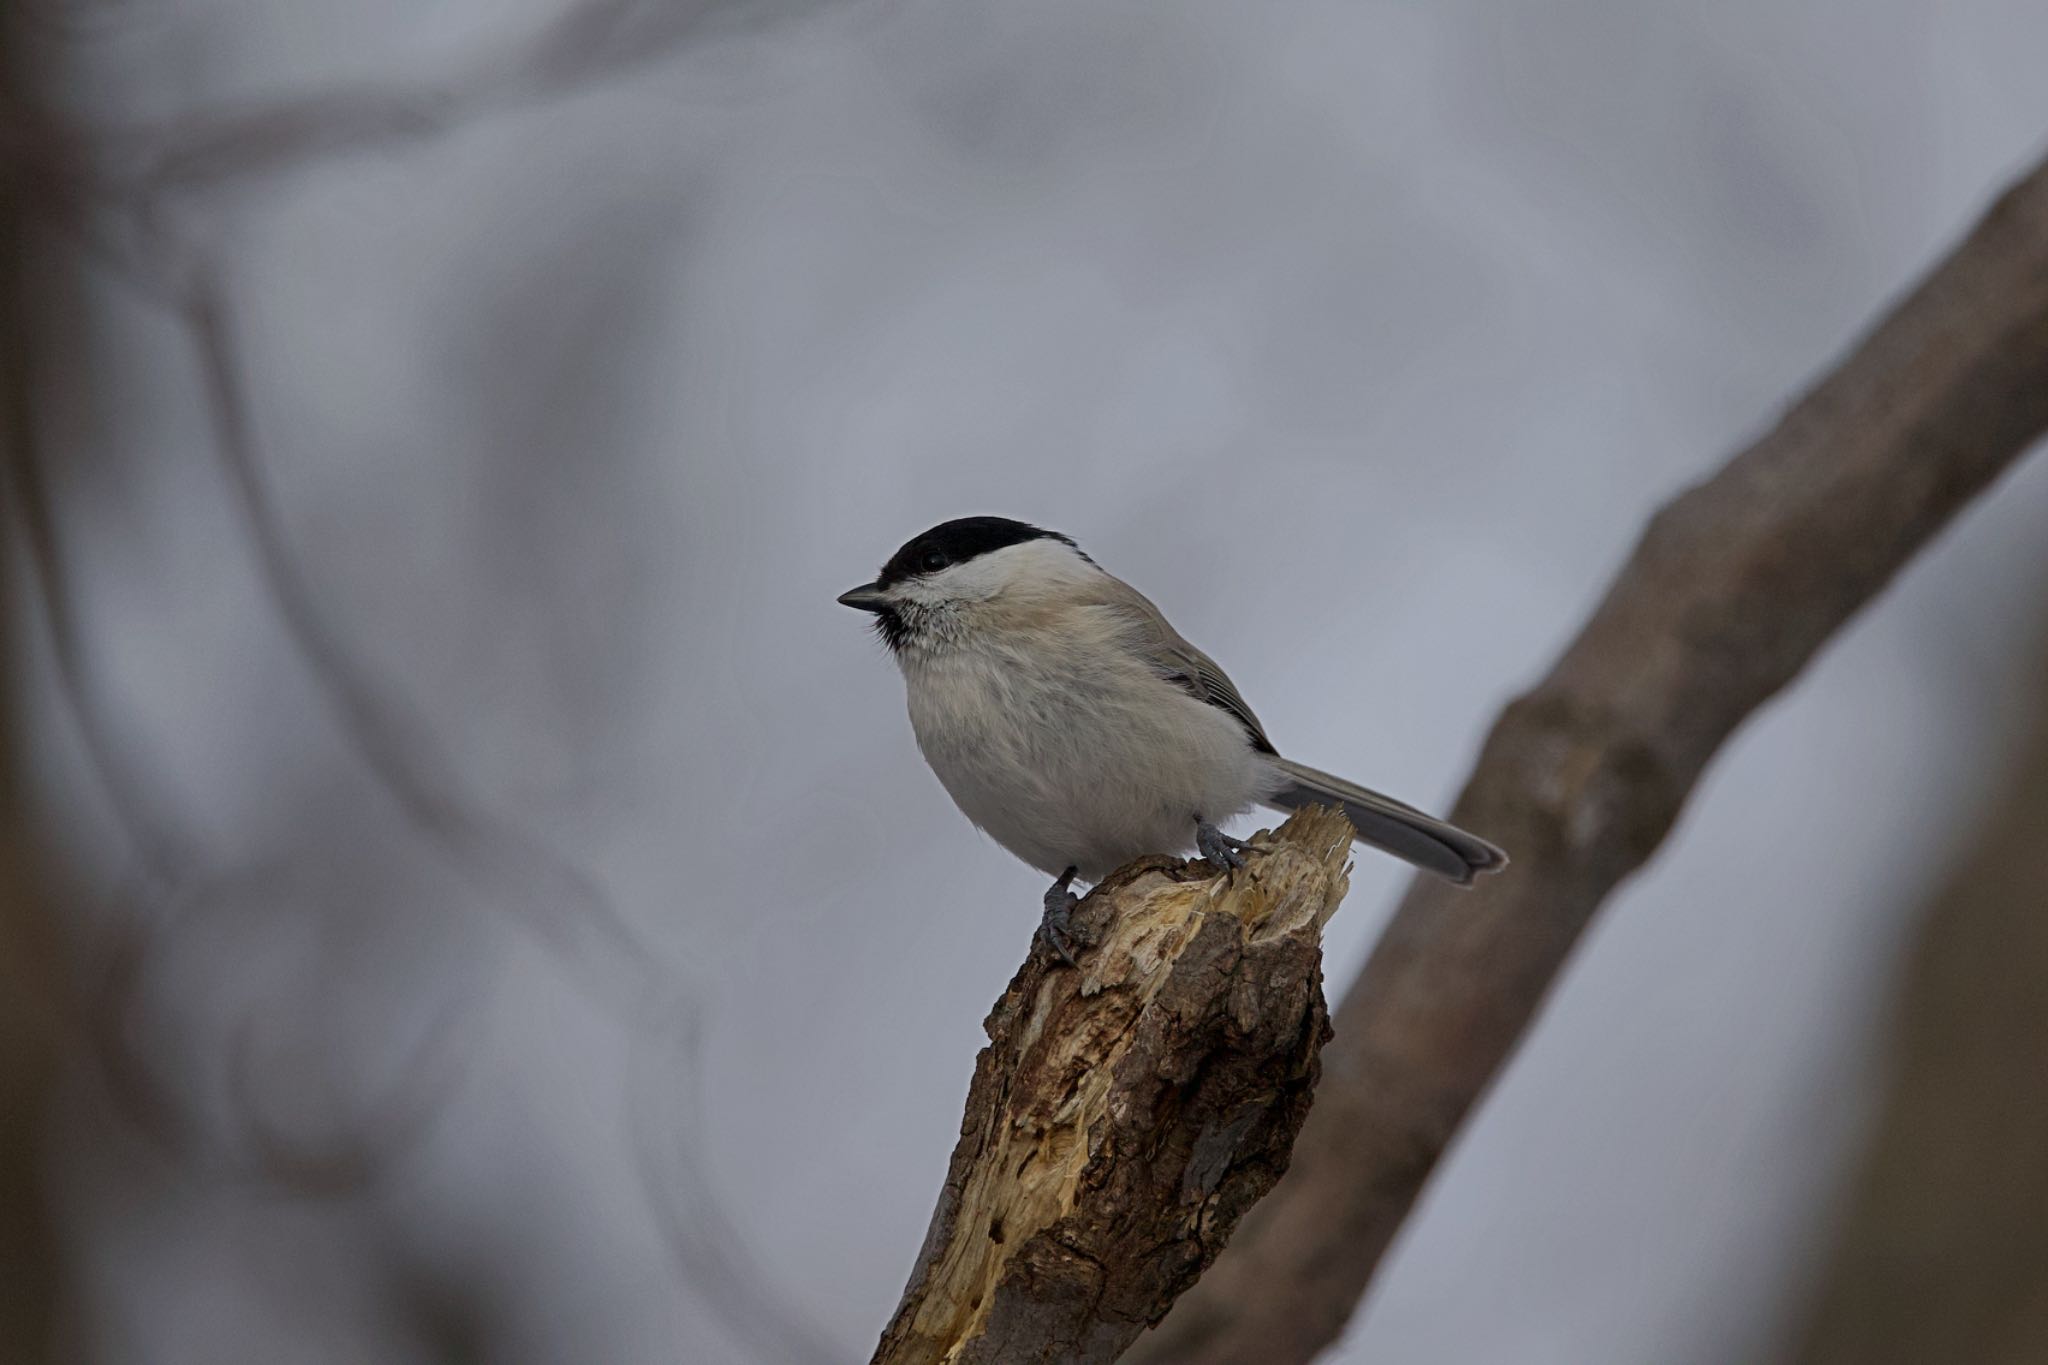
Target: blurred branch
pixel 36 1022
pixel 1126 1113
pixel 34 1006
pixel 1943 1254
pixel 1734 587
pixel 587 41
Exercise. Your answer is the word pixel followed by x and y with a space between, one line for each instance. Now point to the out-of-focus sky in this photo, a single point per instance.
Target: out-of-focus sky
pixel 1361 336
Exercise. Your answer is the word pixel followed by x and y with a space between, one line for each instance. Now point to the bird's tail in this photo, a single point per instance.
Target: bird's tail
pixel 1387 824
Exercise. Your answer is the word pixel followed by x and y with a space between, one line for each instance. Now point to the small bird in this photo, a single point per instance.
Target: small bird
pixel 1073 724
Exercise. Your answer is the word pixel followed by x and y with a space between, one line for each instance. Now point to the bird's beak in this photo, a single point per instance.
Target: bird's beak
pixel 866 597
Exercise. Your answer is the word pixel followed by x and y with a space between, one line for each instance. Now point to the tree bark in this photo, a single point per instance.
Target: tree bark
pixel 1734 587
pixel 1126 1112
pixel 1943 1254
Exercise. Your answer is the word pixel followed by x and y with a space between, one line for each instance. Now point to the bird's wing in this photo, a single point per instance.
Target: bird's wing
pixel 1179 662
pixel 1204 679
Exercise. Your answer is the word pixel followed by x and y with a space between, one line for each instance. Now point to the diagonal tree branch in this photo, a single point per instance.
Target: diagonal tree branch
pixel 1734 587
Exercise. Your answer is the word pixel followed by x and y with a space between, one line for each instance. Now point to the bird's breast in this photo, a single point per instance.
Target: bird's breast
pixel 1076 759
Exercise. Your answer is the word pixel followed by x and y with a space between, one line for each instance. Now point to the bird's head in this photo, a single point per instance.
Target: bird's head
pixel 940 585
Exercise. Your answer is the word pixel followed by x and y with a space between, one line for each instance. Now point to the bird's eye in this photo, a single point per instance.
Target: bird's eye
pixel 931 561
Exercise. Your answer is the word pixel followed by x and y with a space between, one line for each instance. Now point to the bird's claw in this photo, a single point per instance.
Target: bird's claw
pixel 1218 847
pixel 1057 927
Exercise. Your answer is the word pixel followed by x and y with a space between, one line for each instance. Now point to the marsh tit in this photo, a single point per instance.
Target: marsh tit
pixel 1069 721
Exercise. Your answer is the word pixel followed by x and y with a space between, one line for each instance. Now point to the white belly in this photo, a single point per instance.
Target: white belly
pixel 1088 764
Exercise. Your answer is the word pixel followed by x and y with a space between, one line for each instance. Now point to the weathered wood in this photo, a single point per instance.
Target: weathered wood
pixel 1126 1113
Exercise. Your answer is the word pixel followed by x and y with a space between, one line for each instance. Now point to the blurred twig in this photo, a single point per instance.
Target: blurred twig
pixel 553 897
pixel 588 41
pixel 1734 587
pixel 168 874
pixel 1126 1113
pixel 1943 1254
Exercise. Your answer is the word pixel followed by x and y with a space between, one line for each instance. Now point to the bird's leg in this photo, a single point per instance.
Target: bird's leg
pixel 1218 847
pixel 1057 928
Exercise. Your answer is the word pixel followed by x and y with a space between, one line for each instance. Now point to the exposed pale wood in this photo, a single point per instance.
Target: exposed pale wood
pixel 1125 1114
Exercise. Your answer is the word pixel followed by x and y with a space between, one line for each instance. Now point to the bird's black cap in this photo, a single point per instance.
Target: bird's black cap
pixel 956 542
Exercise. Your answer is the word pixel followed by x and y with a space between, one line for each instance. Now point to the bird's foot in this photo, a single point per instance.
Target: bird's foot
pixel 1218 847
pixel 1057 928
